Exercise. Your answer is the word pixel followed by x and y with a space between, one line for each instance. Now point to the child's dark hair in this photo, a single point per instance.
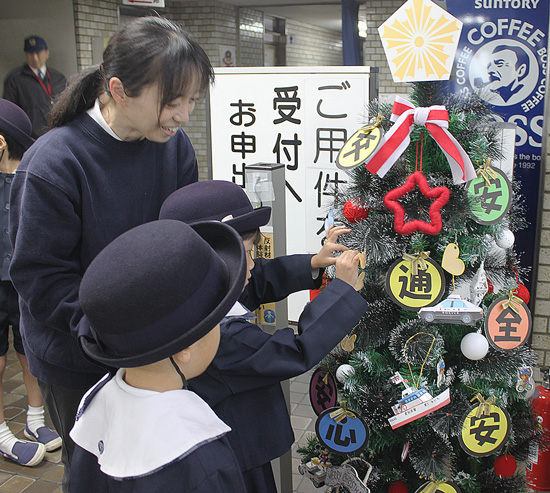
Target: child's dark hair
pixel 252 234
pixel 142 52
pixel 15 149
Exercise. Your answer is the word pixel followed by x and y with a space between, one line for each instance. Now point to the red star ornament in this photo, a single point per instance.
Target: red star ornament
pixel 441 195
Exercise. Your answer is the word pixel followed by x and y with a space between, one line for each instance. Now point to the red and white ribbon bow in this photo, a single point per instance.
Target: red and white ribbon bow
pixel 397 139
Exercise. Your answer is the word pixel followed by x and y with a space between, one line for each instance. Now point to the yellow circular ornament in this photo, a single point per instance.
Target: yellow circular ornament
pixel 484 431
pixel 413 287
pixel 358 148
pixel 439 487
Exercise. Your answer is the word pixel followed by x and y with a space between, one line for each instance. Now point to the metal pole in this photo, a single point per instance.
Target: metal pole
pixel 274 173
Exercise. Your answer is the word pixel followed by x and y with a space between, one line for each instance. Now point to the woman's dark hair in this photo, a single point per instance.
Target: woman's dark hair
pixel 140 53
pixel 15 149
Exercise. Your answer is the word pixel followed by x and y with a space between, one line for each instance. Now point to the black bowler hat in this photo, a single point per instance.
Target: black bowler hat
pixel 217 200
pixel 15 123
pixel 157 289
pixel 34 44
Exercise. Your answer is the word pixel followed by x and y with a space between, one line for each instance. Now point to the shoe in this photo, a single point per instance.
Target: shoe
pixel 44 435
pixel 26 453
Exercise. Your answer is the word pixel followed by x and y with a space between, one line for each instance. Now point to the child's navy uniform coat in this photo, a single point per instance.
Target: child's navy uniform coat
pixel 208 469
pixel 242 384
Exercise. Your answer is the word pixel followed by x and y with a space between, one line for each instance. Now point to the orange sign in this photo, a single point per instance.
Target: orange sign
pixel 507 324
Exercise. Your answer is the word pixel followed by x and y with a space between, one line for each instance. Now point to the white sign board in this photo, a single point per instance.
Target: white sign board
pixel 297 116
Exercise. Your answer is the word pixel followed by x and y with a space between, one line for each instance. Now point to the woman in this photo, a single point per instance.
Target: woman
pixel 114 153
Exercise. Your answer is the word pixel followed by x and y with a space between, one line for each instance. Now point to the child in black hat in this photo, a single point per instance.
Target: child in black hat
pixel 153 300
pixel 243 382
pixel 15 139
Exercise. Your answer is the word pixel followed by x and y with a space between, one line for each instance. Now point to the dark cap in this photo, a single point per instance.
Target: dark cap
pixel 34 44
pixel 157 289
pixel 217 200
pixel 15 123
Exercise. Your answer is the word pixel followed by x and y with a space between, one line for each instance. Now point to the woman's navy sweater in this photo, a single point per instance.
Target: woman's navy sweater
pixel 76 189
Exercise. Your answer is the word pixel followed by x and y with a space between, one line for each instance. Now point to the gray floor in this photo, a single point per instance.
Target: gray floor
pixel 303 422
pixel 46 476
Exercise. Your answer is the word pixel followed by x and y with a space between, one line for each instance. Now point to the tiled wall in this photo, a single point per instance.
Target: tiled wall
pixel 93 18
pixel 250 51
pixel 541 325
pixel 312 46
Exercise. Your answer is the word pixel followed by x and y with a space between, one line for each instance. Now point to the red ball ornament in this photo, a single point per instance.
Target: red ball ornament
pixel 490 287
pixel 398 487
pixel 522 292
pixel 505 466
pixel 354 211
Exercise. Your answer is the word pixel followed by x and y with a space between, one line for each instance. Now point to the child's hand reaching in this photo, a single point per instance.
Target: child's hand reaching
pixel 325 257
pixel 347 267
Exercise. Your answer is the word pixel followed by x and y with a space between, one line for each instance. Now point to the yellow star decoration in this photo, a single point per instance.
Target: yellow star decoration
pixel 420 40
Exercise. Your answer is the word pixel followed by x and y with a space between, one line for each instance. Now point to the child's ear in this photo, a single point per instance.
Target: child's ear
pixel 117 90
pixel 183 357
pixel 3 143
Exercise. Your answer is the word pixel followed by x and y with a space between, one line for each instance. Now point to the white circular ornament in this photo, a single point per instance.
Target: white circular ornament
pixel 474 346
pixel 343 372
pixel 505 239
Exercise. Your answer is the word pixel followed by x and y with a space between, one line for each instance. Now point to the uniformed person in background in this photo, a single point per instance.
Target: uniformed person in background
pixel 34 86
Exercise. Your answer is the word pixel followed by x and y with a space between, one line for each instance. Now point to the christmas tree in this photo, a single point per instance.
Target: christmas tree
pixel 437 373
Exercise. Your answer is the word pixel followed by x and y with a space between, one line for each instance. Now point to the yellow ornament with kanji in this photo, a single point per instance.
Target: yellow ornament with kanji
pixel 415 281
pixel 485 429
pixel 359 147
pixel 439 486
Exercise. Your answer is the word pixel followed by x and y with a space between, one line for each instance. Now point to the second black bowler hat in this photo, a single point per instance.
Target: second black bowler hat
pixel 217 200
pixel 157 289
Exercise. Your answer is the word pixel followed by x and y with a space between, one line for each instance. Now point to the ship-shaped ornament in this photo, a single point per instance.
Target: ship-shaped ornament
pixel 415 403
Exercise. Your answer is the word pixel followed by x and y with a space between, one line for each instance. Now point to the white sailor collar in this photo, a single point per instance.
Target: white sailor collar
pixel 134 432
pixel 239 311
